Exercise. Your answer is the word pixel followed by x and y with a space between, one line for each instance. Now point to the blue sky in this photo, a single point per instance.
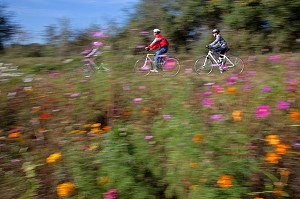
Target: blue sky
pixel 34 15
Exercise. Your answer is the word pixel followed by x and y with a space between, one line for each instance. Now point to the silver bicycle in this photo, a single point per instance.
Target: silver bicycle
pixel 205 64
pixel 169 66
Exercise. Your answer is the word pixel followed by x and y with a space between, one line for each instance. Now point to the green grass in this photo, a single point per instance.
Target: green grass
pixel 169 164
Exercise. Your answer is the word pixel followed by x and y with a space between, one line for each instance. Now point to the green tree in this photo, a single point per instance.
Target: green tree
pixel 7 27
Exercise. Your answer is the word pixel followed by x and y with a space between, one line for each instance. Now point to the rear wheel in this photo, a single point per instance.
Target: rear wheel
pixel 87 70
pixel 237 66
pixel 142 67
pixel 203 65
pixel 170 66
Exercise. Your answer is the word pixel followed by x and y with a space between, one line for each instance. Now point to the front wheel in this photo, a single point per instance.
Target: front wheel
pixel 101 63
pixel 237 64
pixel 203 65
pixel 142 67
pixel 170 66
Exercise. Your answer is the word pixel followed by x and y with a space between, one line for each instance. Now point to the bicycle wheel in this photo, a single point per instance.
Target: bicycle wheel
pixel 203 65
pixel 142 67
pixel 236 66
pixel 170 66
pixel 100 64
pixel 87 70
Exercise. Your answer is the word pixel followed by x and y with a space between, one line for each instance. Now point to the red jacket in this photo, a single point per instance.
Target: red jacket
pixel 158 42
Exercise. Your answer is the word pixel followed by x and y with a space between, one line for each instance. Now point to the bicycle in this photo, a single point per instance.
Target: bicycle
pixel 94 63
pixel 169 66
pixel 205 64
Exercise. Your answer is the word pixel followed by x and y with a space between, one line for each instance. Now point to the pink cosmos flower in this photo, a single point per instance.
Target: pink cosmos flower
pixel 251 73
pixel 283 105
pixel 292 63
pixel 148 137
pixel 207 93
pixel 266 89
pixel 111 194
pixel 218 88
pixel 231 80
pixel 274 58
pixel 246 88
pixel 142 87
pixel 99 34
pixel 167 116
pixel 137 100
pixel 75 94
pixel 207 102
pixel 209 84
pixel 216 117
pixel 263 111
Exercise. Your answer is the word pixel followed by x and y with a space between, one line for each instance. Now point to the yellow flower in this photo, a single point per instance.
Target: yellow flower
pixel 87 125
pixel 273 139
pixel 281 149
pixel 65 189
pixel 237 115
pixel 103 180
pixel 194 187
pixel 93 146
pixel 96 125
pixel 225 181
pixel 96 130
pixel 197 138
pixel 232 90
pixel 272 158
pixel 53 158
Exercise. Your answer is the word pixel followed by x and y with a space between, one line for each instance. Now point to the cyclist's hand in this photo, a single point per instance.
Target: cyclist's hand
pixel 207 46
pixel 147 48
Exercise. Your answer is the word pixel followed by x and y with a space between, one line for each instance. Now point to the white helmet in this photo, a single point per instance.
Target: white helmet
pixel 156 30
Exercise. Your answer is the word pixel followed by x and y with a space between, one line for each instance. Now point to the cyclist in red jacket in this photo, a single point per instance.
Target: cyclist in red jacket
pixel 160 43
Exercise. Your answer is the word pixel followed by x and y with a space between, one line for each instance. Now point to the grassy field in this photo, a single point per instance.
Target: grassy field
pixel 116 135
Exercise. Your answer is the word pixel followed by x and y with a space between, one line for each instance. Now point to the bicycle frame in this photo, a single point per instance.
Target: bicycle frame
pixel 225 59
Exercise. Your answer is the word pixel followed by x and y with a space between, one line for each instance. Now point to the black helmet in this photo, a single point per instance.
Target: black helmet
pixel 216 31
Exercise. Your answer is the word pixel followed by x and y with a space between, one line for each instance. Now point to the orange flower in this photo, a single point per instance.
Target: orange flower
pixel 145 110
pixel 281 149
pixel 225 181
pixel 197 138
pixel 273 139
pixel 65 189
pixel 272 158
pixel 14 135
pixel 232 90
pixel 295 115
pixel 107 128
pixel 127 113
pixel 194 164
pixel 278 191
pixel 284 172
pixel 237 115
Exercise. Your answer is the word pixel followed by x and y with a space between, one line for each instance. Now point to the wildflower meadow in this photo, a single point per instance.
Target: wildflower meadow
pixel 115 135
